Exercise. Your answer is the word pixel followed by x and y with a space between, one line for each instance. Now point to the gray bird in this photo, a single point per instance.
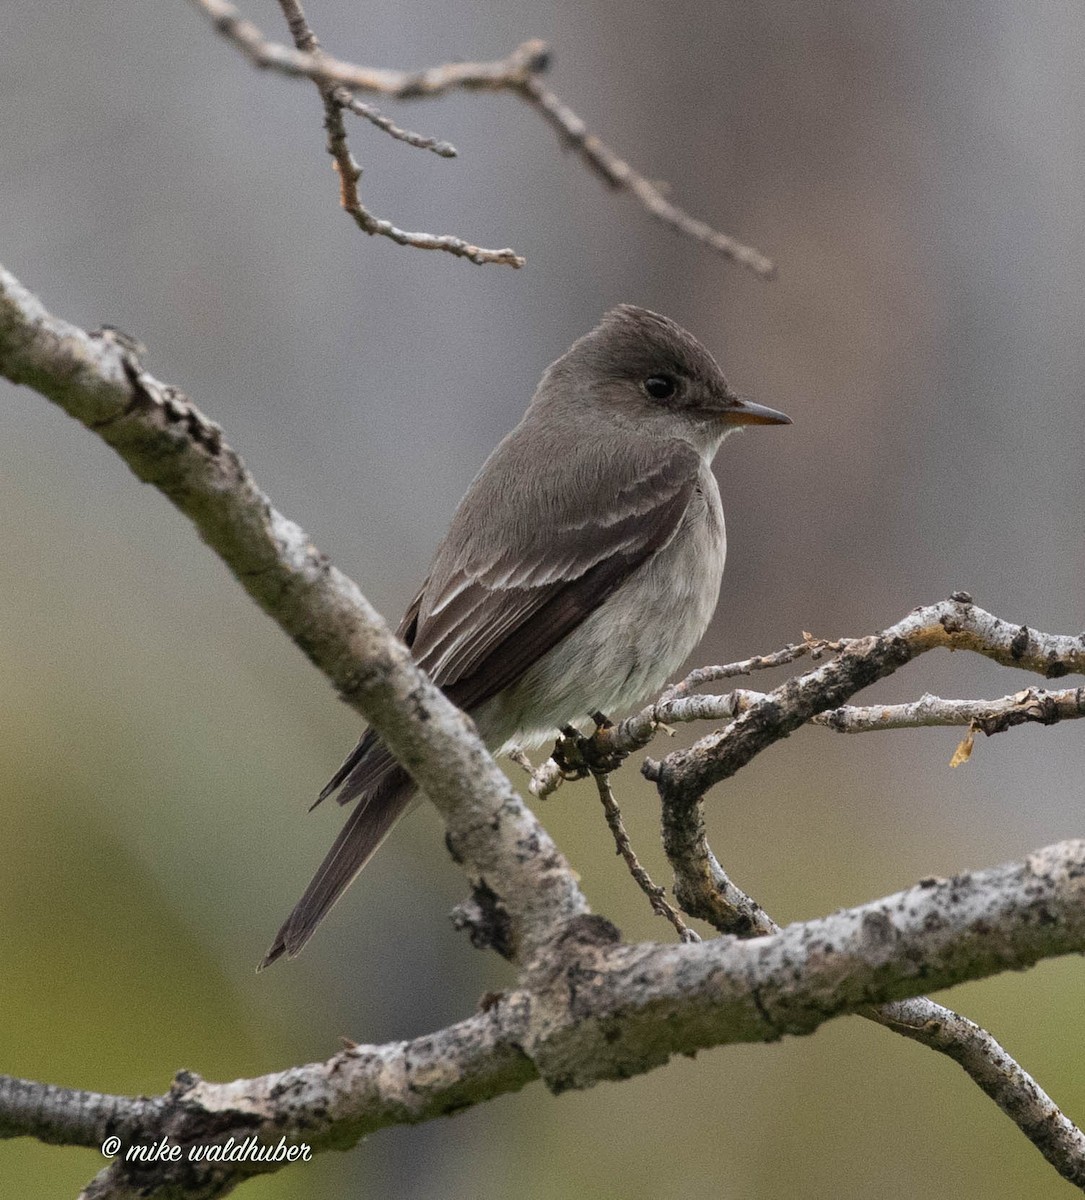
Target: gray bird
pixel 580 570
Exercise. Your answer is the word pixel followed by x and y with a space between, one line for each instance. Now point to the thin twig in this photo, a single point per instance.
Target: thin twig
pixel 675 704
pixel 517 73
pixel 810 645
pixel 703 888
pixel 336 98
pixel 643 880
pixel 620 176
pixel 400 85
pixel 374 115
pixel 1030 706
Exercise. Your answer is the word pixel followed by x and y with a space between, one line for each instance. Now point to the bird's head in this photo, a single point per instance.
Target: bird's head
pixel 639 369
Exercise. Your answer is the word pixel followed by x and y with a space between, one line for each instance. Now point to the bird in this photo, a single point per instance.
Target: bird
pixel 579 571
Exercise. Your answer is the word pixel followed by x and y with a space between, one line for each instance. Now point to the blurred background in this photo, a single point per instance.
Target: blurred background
pixel 918 173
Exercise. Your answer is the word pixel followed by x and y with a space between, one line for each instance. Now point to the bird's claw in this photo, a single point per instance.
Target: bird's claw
pixel 578 756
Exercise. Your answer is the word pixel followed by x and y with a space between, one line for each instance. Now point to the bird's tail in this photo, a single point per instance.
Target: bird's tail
pixel 377 809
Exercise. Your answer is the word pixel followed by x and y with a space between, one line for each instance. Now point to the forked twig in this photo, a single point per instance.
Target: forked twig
pixel 336 98
pixel 518 73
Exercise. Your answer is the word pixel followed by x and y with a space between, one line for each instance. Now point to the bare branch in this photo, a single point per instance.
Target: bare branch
pixel 401 85
pixel 987 1064
pixel 643 880
pixel 374 115
pixel 167 441
pixel 580 987
pixel 1031 705
pixel 677 706
pixel 598 1009
pixel 620 176
pixel 816 648
pixel 704 889
pixel 337 98
pixel 956 624
pixel 518 73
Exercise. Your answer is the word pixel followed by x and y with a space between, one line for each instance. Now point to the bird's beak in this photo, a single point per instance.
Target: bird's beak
pixel 745 412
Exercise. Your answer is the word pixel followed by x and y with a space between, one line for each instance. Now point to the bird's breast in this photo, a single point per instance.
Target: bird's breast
pixel 626 651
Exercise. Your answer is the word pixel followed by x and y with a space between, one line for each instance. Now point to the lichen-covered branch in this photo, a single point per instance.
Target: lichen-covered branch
pixel 1038 706
pixel 595 1009
pixel 1030 706
pixel 988 1065
pixel 704 889
pixel 955 624
pixel 167 441
pixel 586 1007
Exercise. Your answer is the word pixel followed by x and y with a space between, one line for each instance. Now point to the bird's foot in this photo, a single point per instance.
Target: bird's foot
pixel 578 756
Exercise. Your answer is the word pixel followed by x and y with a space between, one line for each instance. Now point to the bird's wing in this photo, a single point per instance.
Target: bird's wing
pixel 492 610
pixel 488 612
pixel 500 595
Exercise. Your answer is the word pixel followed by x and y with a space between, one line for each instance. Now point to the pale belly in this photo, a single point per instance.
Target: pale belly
pixel 626 651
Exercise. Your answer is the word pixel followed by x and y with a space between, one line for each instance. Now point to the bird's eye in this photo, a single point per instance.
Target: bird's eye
pixel 660 387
